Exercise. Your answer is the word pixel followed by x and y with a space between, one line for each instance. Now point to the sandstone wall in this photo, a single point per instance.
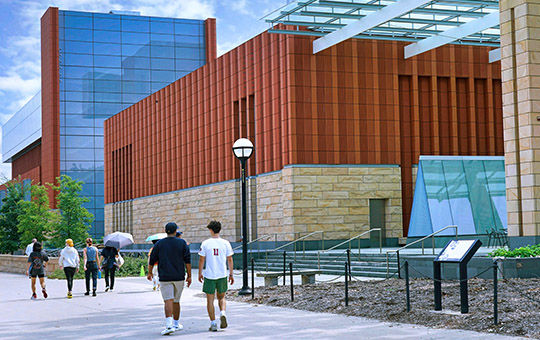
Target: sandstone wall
pixel 18 264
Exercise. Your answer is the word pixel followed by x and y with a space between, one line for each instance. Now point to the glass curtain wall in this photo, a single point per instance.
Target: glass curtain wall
pixel 107 63
pixel 469 192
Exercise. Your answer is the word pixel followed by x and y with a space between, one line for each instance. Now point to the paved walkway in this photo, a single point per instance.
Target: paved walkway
pixel 133 310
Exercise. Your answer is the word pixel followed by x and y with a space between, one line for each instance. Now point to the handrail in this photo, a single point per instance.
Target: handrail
pixel 265 236
pixel 349 241
pixel 294 242
pixel 419 240
pixel 298 239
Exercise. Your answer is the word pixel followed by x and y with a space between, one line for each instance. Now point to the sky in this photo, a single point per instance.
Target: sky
pixel 20 69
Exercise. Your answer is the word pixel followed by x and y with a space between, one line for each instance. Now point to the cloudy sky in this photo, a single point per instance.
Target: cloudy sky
pixel 237 21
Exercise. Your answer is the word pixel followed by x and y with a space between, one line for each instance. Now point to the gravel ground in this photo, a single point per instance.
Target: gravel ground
pixel 385 300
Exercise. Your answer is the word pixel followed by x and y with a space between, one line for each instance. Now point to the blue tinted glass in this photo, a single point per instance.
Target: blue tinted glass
pixel 195 40
pixel 187 29
pixel 61 22
pixel 78 47
pixel 77 34
pixel 107 61
pixel 83 131
pixel 80 141
pixel 158 86
pixel 88 189
pixel 99 174
pixel 188 53
pixel 107 109
pixel 99 121
pixel 437 195
pixel 77 21
pixel 79 107
pixel 135 74
pixel 162 64
pixel 136 87
pixel 107 73
pixel 78 59
pixel 78 84
pixel 136 50
pixel 107 23
pixel 98 142
pixel 84 176
pixel 83 72
pixel 162 39
pixel 135 25
pixel 99 189
pixel 135 38
pixel 161 26
pixel 136 62
pixel 79 154
pixel 107 85
pixel 188 64
pixel 99 166
pixel 107 49
pixel 99 212
pixel 79 96
pixel 108 97
pixel 181 74
pixel 161 51
pixel 458 193
pixel 79 121
pixel 163 76
pixel 497 190
pixel 107 36
pixel 133 97
pixel 480 199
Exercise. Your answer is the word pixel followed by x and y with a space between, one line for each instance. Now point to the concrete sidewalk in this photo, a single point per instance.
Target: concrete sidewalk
pixel 133 310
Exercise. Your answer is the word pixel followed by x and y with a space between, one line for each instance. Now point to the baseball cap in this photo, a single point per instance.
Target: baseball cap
pixel 178 233
pixel 171 227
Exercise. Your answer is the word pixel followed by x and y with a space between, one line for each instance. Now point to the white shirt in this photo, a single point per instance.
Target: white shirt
pixel 215 251
pixel 29 249
pixel 69 257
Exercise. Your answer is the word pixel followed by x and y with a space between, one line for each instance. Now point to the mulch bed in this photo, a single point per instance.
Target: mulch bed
pixel 519 303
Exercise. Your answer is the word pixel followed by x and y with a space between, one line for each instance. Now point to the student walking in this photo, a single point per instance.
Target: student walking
pixel 174 261
pixel 69 260
pixel 155 274
pixel 30 247
pixel 37 261
pixel 217 253
pixel 91 265
pixel 109 265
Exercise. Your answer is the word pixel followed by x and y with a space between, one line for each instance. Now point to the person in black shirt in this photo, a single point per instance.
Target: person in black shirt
pixel 108 264
pixel 172 255
pixel 37 261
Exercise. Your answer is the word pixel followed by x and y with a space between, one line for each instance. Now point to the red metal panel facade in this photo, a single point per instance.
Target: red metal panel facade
pixel 28 162
pixel 359 102
pixel 50 98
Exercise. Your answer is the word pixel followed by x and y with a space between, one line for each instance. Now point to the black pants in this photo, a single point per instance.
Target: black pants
pixel 70 272
pixel 109 273
pixel 91 269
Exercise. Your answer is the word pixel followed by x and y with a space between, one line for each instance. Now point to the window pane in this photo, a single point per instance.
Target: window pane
pixel 185 28
pixel 162 51
pixel 458 194
pixel 78 59
pixel 476 178
pixel 158 86
pixel 135 87
pixel 77 34
pixel 135 25
pixel 133 97
pixel 107 73
pixel 136 50
pixel 79 107
pixel 83 131
pixel 78 85
pixel 163 76
pixel 107 85
pixel 135 38
pixel 107 23
pixel 195 40
pixel 78 121
pixel 83 72
pixel 77 21
pixel 161 26
pixel 188 53
pixel 79 154
pixel 162 64
pixel 188 65
pixel 107 61
pixel 107 109
pixel 437 195
pixel 136 62
pixel 107 36
pixel 162 39
pixel 80 141
pixel 107 49
pixel 134 74
pixel 110 97
pixel 85 176
pixel 78 47
pixel 79 96
pixel 497 190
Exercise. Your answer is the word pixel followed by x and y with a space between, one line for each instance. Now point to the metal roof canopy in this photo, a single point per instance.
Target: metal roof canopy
pixel 426 23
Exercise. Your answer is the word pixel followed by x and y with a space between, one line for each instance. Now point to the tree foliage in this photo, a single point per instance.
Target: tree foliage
pixel 74 220
pixel 9 213
pixel 36 219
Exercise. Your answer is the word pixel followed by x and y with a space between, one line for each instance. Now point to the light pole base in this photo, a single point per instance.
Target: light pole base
pixel 245 291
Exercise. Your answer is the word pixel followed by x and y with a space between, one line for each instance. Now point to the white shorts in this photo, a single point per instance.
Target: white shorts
pixel 171 290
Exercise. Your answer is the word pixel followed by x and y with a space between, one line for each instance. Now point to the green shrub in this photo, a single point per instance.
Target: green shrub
pixel 132 267
pixel 529 251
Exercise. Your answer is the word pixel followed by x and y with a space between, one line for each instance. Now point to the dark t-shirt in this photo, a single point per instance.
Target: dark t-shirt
pixel 172 254
pixel 109 254
pixel 37 259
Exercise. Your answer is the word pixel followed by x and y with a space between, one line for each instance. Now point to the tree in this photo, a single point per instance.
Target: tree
pixel 36 219
pixel 74 220
pixel 9 213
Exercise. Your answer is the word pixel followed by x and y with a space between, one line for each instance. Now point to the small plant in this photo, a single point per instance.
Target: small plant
pixel 528 251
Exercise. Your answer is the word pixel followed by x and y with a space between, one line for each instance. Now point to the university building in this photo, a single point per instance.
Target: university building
pixel 94 65
pixel 337 136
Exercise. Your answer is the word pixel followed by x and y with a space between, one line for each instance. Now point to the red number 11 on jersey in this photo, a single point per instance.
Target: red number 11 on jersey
pixel 216 252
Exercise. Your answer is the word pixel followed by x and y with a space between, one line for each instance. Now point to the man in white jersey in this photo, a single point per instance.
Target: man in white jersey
pixel 217 253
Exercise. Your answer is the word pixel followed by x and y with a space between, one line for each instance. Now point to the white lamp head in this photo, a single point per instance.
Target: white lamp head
pixel 243 148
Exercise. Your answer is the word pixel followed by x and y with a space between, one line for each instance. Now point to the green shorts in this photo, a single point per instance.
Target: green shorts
pixel 210 286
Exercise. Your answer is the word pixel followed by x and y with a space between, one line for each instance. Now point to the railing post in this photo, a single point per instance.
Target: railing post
pixel 319 260
pixel 359 239
pixel 433 244
pixel 422 246
pixel 346 284
pixel 407 286
pixel 252 279
pixel 387 265
pixel 380 241
pixel 398 266
pixel 266 261
pixel 322 240
pixel 495 302
pixel 349 262
pixel 292 285
pixel 284 266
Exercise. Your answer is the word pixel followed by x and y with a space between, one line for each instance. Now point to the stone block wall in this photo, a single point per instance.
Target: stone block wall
pixel 18 264
pixel 285 204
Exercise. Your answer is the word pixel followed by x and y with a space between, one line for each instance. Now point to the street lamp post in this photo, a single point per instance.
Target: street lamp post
pixel 243 149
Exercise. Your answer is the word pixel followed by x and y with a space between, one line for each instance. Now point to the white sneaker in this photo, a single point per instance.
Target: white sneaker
pixel 178 327
pixel 213 327
pixel 168 330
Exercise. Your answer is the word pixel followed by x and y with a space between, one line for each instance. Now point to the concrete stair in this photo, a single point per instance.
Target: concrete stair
pixel 368 265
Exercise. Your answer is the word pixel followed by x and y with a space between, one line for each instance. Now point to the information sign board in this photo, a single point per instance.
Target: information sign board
pixel 455 250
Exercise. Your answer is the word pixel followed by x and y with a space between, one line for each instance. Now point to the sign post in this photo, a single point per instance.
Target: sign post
pixel 456 251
